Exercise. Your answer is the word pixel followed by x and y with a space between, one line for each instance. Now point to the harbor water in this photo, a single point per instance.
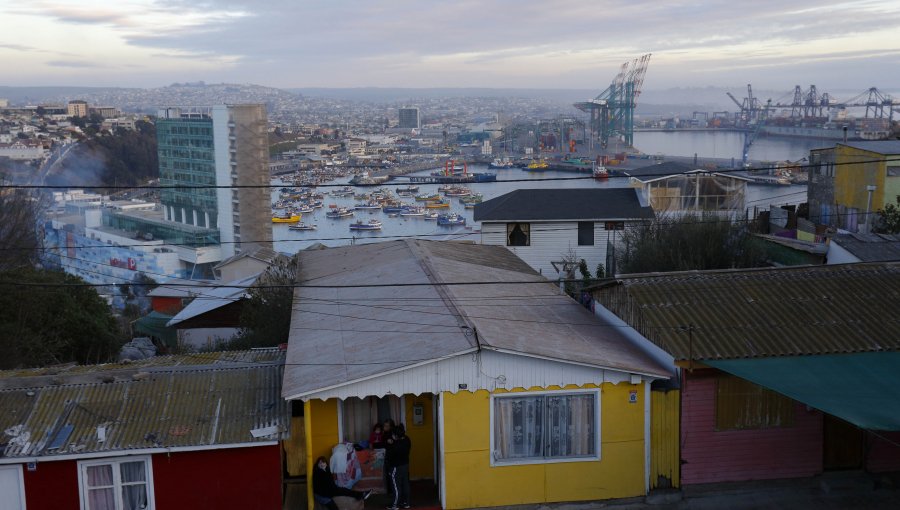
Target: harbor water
pixel 725 145
pixel 336 232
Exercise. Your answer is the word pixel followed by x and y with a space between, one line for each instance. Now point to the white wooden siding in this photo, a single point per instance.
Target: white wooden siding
pixel 487 370
pixel 551 241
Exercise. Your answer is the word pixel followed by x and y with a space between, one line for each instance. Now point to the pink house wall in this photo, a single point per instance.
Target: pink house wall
pixel 735 455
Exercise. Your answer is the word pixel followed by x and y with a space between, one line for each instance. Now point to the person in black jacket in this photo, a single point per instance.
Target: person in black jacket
pixel 396 461
pixel 324 488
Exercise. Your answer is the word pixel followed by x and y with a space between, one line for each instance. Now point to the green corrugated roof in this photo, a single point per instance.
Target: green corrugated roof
pixel 708 315
pixel 860 388
pixel 173 401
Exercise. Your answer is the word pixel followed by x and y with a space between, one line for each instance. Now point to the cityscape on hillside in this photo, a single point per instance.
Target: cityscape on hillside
pixel 449 256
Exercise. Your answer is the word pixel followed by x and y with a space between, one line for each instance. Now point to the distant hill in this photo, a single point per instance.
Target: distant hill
pixel 382 95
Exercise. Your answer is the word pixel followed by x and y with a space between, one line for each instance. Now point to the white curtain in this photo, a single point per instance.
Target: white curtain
pixel 134 485
pixel 570 425
pixel 101 493
pixel 518 427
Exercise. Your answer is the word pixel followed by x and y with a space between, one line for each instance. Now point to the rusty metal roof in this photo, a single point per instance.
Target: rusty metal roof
pixel 763 312
pixel 345 334
pixel 183 401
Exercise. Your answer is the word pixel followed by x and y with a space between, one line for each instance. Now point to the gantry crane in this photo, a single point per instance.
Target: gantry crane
pixel 612 111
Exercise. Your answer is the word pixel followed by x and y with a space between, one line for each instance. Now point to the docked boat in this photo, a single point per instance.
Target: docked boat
pixel 339 212
pixel 369 225
pixel 536 166
pixel 440 204
pixel 501 163
pixel 303 226
pixel 286 218
pixel 450 220
pixel 412 211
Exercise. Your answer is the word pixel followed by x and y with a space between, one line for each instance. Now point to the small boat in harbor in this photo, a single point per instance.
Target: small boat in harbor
pixel 412 211
pixel 458 191
pixel 501 163
pixel 600 172
pixel 450 220
pixel 440 204
pixel 370 225
pixel 286 218
pixel 537 166
pixel 338 213
pixel 305 209
pixel 407 189
pixel 302 226
pixel 428 197
pixel 431 215
pixel 367 205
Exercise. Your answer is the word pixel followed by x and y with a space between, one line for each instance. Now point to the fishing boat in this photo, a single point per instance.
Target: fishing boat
pixel 412 211
pixel 458 191
pixel 501 163
pixel 440 204
pixel 428 197
pixel 408 189
pixel 305 209
pixel 537 166
pixel 472 199
pixel 339 212
pixel 431 215
pixel 346 191
pixel 302 226
pixel 367 205
pixel 392 209
pixel 450 220
pixel 286 218
pixel 369 225
pixel 600 172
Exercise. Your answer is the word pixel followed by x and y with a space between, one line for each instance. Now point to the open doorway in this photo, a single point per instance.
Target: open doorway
pixel 844 446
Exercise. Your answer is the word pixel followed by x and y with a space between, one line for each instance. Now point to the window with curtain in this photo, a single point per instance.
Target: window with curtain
pixel 543 427
pixel 358 415
pixel 116 484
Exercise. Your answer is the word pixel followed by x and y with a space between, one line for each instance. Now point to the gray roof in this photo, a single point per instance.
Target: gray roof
pixel 870 247
pixel 254 251
pixel 341 335
pixel 208 299
pixel 564 204
pixel 184 401
pixel 879 146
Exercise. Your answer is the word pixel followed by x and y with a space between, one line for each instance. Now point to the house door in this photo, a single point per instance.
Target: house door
pixel 844 444
pixel 12 488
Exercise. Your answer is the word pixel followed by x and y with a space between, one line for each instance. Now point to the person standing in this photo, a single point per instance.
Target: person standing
pixel 397 462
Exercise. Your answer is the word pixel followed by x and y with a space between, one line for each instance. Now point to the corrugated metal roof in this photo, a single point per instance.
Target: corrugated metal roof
pixel 255 251
pixel 340 335
pixel 877 146
pixel 564 204
pixel 181 401
pixel 207 300
pixel 870 247
pixel 763 312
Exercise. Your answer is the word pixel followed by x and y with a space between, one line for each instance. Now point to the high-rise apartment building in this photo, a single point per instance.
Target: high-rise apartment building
pixel 77 108
pixel 220 146
pixel 409 118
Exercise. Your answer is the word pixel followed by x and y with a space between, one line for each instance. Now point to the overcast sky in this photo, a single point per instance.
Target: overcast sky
pixel 463 43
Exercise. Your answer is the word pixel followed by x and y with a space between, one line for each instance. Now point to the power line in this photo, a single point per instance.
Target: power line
pixel 332 185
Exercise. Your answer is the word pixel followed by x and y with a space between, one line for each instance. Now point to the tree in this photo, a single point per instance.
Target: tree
pixel 889 219
pixel 19 236
pixel 266 314
pixel 48 317
pixel 688 242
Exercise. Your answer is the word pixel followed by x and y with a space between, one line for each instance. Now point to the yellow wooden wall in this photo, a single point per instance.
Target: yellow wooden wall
pixel 421 458
pixel 470 480
pixel 321 421
pixel 851 179
pixel 295 448
pixel 665 433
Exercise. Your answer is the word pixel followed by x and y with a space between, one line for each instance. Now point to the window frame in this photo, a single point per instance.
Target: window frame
pixel 527 231
pixel 594 392
pixel 117 482
pixel 340 413
pixel 584 228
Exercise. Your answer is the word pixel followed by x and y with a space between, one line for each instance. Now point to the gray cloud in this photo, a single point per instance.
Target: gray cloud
pixel 75 64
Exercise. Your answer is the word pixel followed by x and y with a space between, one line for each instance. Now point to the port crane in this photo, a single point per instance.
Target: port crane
pixel 612 111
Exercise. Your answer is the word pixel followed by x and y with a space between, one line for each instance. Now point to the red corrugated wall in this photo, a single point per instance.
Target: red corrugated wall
pixel 245 478
pixel 884 452
pixel 734 455
pixel 52 486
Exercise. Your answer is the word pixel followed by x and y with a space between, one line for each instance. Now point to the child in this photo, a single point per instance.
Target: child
pixel 376 437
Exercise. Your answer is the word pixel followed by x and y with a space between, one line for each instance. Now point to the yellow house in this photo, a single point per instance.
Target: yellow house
pixel 511 392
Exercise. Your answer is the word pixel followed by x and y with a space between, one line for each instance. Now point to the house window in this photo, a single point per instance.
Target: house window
pixel 518 234
pixel 585 233
pixel 740 404
pixel 614 225
pixel 547 427
pixel 120 484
